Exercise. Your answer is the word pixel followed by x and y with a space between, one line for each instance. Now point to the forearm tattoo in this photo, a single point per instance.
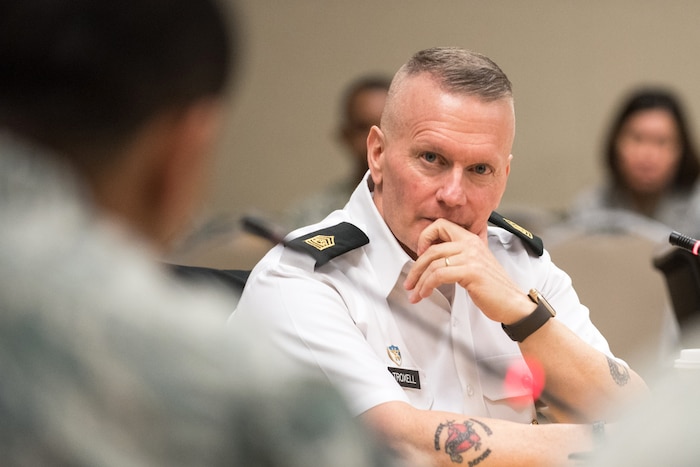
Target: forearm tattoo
pixel 619 373
pixel 464 440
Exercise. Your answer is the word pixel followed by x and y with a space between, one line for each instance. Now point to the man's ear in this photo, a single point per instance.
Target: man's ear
pixel 375 153
pixel 182 167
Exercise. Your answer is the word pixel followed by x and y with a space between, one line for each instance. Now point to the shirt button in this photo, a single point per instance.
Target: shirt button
pixel 470 390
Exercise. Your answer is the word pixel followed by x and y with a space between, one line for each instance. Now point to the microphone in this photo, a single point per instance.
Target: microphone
pixel 685 242
pixel 263 228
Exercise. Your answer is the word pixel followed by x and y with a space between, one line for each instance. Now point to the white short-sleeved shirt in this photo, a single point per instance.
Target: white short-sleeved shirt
pixel 351 318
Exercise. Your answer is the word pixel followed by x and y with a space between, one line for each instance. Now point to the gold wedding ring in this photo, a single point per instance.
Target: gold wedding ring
pixel 447 261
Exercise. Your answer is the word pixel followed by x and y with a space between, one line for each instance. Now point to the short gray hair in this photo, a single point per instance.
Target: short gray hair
pixel 460 71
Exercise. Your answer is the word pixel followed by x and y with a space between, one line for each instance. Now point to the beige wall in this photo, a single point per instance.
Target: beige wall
pixel 570 61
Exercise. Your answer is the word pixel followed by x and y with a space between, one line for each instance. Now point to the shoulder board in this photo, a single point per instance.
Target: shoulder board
pixel 329 242
pixel 533 243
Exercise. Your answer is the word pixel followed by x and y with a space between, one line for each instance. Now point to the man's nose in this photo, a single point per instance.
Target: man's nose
pixel 453 192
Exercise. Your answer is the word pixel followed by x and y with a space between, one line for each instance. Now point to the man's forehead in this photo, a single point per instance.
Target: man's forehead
pixel 433 106
pixel 425 87
pixel 421 97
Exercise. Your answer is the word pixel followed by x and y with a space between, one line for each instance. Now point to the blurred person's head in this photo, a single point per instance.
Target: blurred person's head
pixel 104 361
pixel 444 146
pixel 362 106
pixel 649 149
pixel 128 93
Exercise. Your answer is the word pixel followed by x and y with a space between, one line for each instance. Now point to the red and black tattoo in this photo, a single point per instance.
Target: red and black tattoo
pixel 461 438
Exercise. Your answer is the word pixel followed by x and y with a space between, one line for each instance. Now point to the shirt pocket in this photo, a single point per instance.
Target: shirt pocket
pixel 506 384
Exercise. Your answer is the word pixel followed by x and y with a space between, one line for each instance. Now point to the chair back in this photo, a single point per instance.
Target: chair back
pixel 614 276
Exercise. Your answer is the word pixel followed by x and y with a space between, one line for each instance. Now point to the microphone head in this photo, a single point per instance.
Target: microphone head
pixel 683 241
pixel 262 228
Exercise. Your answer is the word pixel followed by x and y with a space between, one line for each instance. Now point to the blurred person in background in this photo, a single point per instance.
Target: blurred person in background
pixel 361 108
pixel 227 243
pixel 108 111
pixel 652 166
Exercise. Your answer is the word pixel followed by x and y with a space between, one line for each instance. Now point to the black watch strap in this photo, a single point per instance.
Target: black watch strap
pixel 520 330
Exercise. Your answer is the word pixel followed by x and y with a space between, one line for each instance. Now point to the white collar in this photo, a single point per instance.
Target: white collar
pixel 385 253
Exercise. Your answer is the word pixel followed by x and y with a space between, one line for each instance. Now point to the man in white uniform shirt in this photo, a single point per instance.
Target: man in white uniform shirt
pixel 432 323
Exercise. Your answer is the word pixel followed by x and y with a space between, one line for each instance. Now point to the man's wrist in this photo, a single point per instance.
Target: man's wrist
pixel 524 327
pixel 525 309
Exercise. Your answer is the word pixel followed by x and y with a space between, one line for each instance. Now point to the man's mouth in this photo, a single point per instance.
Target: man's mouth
pixel 461 224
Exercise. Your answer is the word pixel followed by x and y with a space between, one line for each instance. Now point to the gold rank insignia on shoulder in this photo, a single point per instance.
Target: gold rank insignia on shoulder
pixel 321 242
pixel 329 242
pixel 520 229
pixel 532 242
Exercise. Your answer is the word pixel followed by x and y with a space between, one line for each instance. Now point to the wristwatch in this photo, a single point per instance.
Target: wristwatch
pixel 520 330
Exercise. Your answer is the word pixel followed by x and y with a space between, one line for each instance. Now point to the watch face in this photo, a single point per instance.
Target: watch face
pixel 538 298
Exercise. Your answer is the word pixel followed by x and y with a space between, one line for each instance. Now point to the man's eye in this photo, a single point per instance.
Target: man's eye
pixel 430 156
pixel 481 169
